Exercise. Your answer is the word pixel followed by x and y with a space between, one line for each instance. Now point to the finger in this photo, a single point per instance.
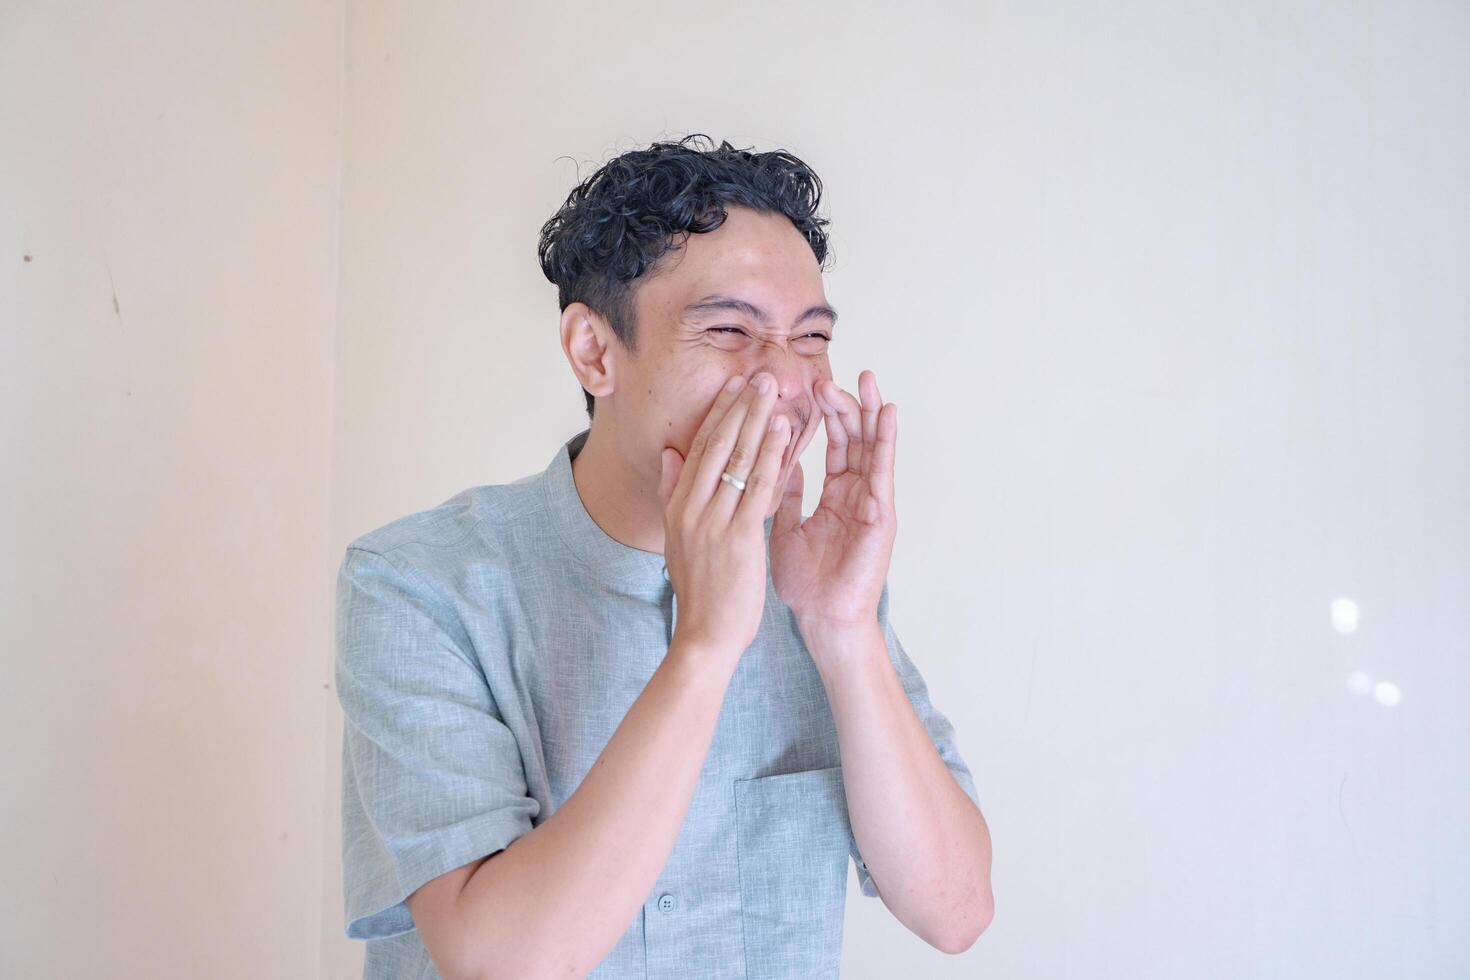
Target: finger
pixel 848 412
pixel 788 512
pixel 871 403
pixel 836 438
pixel 670 464
pixel 760 485
pixel 885 445
pixel 747 448
pixel 720 445
pixel 728 397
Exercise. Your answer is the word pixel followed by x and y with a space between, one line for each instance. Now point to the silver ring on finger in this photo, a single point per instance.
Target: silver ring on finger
pixel 733 480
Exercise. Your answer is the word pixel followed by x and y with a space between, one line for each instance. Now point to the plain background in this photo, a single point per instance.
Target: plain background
pixel 1173 299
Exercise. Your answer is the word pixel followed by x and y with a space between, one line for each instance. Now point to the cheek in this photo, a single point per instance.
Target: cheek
pixel 674 398
pixel 820 372
pixel 685 408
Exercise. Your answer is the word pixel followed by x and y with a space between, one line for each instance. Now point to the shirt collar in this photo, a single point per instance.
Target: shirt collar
pixel 632 569
pixel 629 570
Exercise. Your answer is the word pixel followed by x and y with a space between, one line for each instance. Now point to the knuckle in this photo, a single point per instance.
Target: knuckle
pixel 739 455
pixel 757 481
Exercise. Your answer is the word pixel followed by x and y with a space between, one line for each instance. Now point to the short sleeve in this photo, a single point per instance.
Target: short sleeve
pixel 939 728
pixel 432 777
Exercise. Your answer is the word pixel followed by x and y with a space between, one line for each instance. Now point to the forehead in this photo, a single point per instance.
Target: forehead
pixel 758 257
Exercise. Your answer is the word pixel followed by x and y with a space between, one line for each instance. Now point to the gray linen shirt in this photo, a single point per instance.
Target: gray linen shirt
pixel 489 647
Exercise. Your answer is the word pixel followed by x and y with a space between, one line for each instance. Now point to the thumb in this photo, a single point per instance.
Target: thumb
pixel 788 511
pixel 671 464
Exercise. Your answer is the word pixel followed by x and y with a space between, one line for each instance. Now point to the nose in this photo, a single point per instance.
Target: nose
pixel 792 397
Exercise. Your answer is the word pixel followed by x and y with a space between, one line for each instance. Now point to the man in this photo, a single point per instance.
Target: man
pixel 631 716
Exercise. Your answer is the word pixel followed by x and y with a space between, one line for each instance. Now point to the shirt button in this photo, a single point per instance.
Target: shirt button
pixel 666 903
pixel 666 573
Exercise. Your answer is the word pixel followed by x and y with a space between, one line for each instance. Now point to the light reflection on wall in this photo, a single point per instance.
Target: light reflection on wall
pixel 1345 615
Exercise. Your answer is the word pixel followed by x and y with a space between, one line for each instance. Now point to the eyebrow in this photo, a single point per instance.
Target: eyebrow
pixel 713 304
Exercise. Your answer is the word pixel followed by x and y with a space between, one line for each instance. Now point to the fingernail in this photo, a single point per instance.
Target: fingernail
pixel 763 384
pixel 734 383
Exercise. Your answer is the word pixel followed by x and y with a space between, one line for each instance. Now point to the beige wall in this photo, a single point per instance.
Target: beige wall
pixel 167 405
pixel 1173 302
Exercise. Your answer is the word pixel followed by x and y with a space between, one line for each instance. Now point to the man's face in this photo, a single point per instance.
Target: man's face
pixel 691 338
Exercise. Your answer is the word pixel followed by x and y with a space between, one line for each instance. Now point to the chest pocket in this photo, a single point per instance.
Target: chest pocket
pixel 794 837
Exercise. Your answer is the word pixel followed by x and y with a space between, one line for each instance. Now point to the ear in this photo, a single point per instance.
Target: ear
pixel 586 340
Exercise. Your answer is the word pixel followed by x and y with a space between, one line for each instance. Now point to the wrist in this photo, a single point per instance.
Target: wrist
pixel 702 656
pixel 826 632
pixel 812 624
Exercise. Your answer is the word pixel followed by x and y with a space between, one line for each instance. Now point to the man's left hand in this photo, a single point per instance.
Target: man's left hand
pixel 830 568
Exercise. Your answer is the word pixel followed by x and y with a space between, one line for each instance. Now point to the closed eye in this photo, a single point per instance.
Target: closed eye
pixel 813 334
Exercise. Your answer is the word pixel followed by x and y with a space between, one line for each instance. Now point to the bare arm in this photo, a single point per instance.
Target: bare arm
pixel 924 841
pixel 558 899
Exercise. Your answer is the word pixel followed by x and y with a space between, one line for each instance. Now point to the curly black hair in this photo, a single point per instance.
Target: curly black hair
pixel 619 222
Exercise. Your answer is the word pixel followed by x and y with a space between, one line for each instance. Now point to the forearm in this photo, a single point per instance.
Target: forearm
pixel 923 840
pixel 558 899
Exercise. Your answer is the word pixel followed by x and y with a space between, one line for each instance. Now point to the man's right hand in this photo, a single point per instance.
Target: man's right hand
pixel 714 535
